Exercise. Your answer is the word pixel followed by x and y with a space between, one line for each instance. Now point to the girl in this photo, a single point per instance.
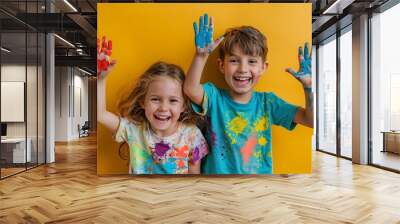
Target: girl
pixel 155 120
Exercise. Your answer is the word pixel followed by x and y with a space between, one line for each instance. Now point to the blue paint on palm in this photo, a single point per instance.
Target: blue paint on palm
pixel 203 33
pixel 305 62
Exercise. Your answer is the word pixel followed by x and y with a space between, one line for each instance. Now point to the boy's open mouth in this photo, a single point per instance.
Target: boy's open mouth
pixel 242 80
pixel 162 117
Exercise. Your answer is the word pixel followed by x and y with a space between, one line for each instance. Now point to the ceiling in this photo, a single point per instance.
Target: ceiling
pixel 77 24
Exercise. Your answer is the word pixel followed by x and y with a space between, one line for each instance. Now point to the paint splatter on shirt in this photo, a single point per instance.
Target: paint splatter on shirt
pixel 151 154
pixel 239 135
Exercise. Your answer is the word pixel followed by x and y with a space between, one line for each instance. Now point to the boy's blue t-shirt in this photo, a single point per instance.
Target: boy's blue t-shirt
pixel 239 135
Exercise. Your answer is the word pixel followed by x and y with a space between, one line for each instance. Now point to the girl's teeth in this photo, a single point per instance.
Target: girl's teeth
pixel 162 117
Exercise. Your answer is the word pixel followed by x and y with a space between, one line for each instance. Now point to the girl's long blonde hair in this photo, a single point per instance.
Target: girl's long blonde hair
pixel 131 108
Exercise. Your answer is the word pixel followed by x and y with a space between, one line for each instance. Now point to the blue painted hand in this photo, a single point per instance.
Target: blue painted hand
pixel 304 72
pixel 204 35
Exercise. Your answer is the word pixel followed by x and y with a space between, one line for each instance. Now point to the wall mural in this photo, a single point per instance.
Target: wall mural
pixel 204 88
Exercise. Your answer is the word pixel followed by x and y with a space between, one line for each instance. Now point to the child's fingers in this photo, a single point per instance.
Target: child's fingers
pixel 196 31
pixel 292 72
pixel 206 22
pixel 109 45
pixel 210 33
pixel 104 43
pixel 98 46
pixel 306 51
pixel 201 24
pixel 300 52
pixel 109 48
pixel 300 55
pixel 217 42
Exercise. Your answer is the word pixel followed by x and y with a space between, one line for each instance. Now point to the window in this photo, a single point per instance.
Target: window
pixel 346 93
pixel 385 87
pixel 327 96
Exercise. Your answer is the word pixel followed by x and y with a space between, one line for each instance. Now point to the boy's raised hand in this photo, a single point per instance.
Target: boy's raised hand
pixel 204 36
pixel 104 63
pixel 304 72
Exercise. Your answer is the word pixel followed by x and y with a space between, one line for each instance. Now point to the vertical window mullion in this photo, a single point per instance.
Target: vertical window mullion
pixel 26 86
pixel 317 96
pixel 338 74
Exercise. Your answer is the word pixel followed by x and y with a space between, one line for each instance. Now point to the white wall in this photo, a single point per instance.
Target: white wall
pixel 71 94
pixel 61 103
pixel 33 127
pixel 13 73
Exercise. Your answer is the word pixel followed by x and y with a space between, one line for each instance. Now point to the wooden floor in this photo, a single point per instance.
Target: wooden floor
pixel 387 159
pixel 69 191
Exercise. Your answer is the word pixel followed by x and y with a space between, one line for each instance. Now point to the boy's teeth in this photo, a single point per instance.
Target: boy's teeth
pixel 162 117
pixel 242 78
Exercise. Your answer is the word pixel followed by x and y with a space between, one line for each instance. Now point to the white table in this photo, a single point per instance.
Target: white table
pixel 18 149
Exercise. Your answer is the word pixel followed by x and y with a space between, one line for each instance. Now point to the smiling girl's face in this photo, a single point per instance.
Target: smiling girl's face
pixel 163 105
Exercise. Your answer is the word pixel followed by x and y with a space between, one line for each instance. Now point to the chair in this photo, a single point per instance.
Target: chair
pixel 84 130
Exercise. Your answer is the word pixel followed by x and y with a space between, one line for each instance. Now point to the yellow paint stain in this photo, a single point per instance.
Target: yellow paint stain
pixel 237 125
pixel 262 124
pixel 257 154
pixel 262 141
pixel 233 139
pixel 269 154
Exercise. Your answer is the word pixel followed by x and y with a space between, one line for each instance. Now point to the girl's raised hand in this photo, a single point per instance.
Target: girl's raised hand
pixel 104 63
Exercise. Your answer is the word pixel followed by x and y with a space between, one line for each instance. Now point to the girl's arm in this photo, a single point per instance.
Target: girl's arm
pixel 199 150
pixel 204 46
pixel 106 118
pixel 194 168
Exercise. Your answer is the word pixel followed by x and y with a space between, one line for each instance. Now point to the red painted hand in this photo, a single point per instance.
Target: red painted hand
pixel 104 63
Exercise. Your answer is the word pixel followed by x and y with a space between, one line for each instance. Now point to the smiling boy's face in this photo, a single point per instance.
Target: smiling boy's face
pixel 241 73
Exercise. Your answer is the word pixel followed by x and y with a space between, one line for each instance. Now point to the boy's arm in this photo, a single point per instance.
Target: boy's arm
pixel 204 46
pixel 192 86
pixel 104 66
pixel 305 116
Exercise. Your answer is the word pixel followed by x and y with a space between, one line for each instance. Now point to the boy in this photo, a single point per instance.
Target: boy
pixel 239 119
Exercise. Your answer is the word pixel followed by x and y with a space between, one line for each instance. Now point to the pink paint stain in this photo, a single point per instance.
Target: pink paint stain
pixel 247 149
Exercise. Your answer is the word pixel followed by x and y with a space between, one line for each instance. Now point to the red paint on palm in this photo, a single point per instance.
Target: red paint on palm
pixel 103 55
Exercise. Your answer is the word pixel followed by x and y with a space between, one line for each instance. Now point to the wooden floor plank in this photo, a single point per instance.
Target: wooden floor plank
pixel 69 191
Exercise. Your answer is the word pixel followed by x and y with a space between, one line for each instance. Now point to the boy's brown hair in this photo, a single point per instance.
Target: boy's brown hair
pixel 250 40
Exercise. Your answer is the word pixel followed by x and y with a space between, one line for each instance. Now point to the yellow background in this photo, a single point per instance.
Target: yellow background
pixel 143 33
